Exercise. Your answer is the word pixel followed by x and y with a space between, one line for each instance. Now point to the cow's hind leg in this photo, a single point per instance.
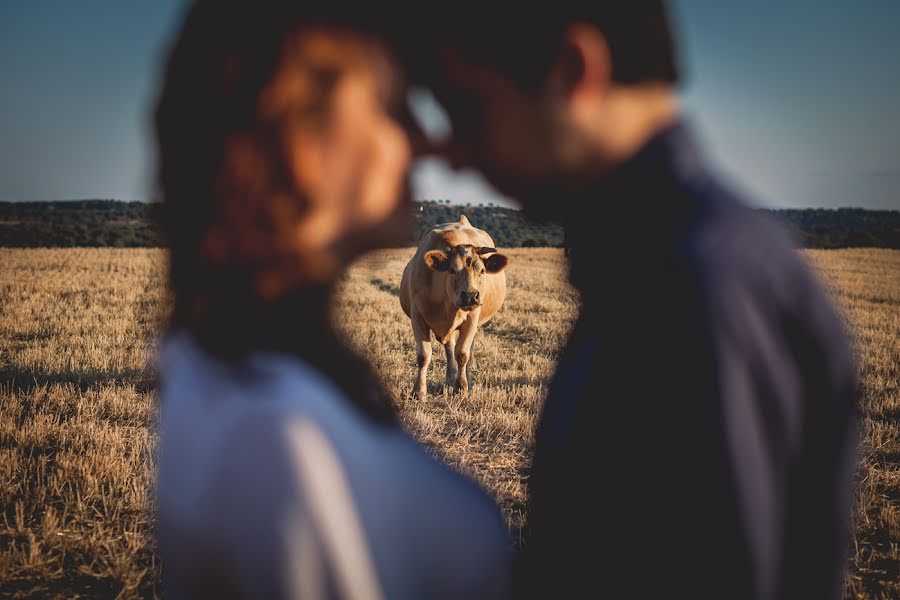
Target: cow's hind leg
pixel 450 351
pixel 422 333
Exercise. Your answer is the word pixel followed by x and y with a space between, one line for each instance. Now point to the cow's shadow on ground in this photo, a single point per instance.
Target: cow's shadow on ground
pixel 23 380
pixel 384 286
pixel 438 388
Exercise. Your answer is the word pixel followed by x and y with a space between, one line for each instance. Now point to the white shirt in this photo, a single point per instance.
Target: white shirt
pixel 272 485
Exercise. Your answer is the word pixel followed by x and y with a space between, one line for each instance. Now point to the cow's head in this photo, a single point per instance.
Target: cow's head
pixel 465 268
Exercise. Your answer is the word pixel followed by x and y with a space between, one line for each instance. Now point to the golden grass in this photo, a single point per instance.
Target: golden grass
pixel 77 440
pixel 866 285
pixel 78 414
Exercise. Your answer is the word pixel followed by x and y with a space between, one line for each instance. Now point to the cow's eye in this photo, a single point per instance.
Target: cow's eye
pixel 482 271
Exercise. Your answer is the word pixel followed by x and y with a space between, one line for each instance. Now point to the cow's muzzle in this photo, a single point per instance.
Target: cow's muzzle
pixel 468 300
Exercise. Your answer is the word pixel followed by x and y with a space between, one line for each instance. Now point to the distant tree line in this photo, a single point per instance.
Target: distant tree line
pixel 133 224
pixel 72 223
pixel 842 227
pixel 508 227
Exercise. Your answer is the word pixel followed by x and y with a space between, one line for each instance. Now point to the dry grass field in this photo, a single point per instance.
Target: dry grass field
pixel 77 408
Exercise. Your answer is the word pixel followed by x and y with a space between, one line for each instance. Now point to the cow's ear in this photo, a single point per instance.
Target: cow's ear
pixel 495 263
pixel 437 260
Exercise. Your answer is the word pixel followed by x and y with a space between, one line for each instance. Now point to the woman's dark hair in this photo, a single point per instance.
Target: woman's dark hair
pixel 229 208
pixel 522 43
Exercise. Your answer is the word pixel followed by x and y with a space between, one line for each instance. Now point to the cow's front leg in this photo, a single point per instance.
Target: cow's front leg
pixel 450 351
pixel 464 349
pixel 422 333
pixel 473 363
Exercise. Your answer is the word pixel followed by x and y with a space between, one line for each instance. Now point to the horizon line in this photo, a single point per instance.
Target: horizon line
pixel 491 204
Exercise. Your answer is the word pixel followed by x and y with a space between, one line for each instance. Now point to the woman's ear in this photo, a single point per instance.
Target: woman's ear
pixel 437 260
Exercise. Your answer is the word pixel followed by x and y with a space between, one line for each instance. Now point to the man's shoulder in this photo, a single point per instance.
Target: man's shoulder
pixel 714 220
pixel 751 274
pixel 730 240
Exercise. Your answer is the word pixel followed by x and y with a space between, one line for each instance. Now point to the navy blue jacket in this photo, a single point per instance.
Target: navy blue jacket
pixel 699 436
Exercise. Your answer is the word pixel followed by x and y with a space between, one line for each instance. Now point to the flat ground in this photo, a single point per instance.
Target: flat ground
pixel 78 329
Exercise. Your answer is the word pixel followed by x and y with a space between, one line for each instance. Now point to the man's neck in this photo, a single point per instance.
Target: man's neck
pixel 632 115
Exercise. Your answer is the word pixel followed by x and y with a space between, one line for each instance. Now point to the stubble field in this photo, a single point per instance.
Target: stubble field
pixel 78 330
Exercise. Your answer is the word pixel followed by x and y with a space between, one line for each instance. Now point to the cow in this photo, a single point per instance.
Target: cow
pixel 452 285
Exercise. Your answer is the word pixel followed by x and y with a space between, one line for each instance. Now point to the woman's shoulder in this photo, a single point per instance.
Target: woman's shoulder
pixel 265 397
pixel 211 407
pixel 291 443
pixel 259 383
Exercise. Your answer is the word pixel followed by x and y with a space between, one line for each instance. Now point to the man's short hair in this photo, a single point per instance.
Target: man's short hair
pixel 523 44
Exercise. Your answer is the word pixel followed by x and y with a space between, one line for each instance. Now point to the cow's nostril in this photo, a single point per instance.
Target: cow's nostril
pixel 468 298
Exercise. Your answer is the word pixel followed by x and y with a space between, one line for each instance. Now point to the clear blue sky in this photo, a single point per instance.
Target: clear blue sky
pixel 796 100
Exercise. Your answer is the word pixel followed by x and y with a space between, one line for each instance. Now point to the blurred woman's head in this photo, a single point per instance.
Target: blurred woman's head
pixel 281 156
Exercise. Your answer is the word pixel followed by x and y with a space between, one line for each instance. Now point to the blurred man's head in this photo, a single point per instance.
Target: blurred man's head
pixel 549 100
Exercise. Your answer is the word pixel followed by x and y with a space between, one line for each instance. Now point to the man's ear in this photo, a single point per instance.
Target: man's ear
pixel 495 263
pixel 437 260
pixel 582 71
